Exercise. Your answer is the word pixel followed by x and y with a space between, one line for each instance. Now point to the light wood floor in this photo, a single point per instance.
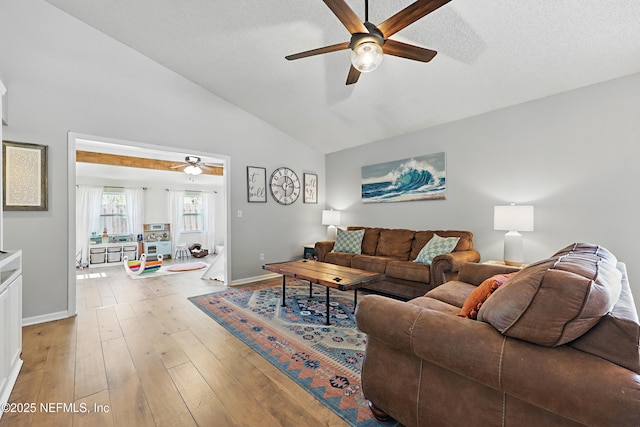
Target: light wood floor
pixel 142 355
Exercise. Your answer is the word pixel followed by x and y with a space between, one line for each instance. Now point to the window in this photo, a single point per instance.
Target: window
pixel 113 215
pixel 192 213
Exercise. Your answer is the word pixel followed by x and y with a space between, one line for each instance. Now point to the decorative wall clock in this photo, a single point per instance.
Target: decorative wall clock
pixel 284 185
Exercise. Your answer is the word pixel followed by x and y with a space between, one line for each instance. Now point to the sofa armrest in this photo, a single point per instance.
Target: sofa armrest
pixel 372 317
pixel 475 273
pixel 445 267
pixel 466 347
pixel 323 248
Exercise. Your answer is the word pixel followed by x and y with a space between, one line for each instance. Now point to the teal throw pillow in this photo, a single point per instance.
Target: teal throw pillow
pixel 349 241
pixel 436 246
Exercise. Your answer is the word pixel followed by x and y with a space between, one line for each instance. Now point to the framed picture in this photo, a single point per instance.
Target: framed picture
pixel 310 188
pixel 24 176
pixel 256 184
pixel 417 178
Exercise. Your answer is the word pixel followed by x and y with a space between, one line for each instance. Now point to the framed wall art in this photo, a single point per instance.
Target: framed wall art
pixel 24 176
pixel 310 188
pixel 417 178
pixel 256 184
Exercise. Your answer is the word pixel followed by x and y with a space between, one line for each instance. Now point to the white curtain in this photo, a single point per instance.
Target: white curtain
pixel 176 208
pixel 208 222
pixel 135 208
pixel 88 206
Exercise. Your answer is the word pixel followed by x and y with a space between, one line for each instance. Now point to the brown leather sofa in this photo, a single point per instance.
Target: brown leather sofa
pixel 556 345
pixel 392 251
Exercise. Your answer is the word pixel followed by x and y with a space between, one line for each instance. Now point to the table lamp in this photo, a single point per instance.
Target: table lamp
pixel 513 219
pixel 331 218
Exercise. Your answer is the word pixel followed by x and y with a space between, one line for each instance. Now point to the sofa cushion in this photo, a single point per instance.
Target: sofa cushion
pixel 556 300
pixel 436 246
pixel 616 337
pixel 452 292
pixel 434 304
pixel 339 258
pixel 422 237
pixel 419 240
pixel 480 294
pixel 348 241
pixel 376 264
pixel 408 270
pixel 370 239
pixel 395 243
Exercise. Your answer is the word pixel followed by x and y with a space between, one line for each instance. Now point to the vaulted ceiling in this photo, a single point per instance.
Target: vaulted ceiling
pixel 491 54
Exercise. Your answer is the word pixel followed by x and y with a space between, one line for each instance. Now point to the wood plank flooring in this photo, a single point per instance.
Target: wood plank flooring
pixel 139 354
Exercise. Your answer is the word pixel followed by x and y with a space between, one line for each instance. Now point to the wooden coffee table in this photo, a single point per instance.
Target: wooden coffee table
pixel 325 274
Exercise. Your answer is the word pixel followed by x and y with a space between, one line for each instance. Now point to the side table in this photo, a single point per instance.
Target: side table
pixel 310 252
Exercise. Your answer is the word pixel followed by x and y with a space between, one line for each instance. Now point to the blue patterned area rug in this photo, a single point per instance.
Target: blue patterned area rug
pixel 324 360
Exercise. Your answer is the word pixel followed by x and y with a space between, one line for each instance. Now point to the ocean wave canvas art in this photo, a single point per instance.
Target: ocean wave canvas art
pixel 417 178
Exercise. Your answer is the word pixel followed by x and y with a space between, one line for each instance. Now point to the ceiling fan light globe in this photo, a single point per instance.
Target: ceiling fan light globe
pixel 192 170
pixel 366 56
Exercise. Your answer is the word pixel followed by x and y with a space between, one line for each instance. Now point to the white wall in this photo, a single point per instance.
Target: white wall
pixel 574 156
pixel 65 76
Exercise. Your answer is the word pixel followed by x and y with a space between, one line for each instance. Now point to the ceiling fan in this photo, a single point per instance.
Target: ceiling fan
pixel 194 166
pixel 368 42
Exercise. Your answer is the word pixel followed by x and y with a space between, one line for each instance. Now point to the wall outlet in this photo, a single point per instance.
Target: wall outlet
pixel 239 214
pixel 261 257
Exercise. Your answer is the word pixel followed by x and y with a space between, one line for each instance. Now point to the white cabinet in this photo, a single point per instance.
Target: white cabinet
pixel 10 321
pixel 3 114
pixel 158 248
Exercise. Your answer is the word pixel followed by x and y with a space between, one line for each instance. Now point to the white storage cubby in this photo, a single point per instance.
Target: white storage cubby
pixel 109 254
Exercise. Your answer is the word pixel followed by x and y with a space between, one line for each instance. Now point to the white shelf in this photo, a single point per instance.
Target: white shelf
pixel 107 251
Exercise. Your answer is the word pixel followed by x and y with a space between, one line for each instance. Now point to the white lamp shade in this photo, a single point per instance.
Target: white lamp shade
pixel 331 217
pixel 513 218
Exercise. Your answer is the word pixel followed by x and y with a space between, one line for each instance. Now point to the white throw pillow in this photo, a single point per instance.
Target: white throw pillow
pixel 349 241
pixel 436 246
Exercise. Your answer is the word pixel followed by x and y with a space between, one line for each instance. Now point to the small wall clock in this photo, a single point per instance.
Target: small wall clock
pixel 284 185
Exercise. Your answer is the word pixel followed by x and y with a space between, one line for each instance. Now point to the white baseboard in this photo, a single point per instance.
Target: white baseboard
pixel 254 279
pixel 43 318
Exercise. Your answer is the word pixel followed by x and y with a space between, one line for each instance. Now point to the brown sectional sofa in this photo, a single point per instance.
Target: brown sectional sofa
pixel 392 251
pixel 556 345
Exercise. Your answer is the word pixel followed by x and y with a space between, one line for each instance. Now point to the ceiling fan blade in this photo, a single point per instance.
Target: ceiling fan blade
pixel 408 51
pixel 178 166
pixel 318 51
pixel 347 16
pixel 409 15
pixel 353 75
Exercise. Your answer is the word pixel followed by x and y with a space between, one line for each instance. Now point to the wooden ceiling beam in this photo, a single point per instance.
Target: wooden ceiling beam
pixel 137 162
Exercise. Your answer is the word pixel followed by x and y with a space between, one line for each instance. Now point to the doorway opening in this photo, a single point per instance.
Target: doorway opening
pixel 157 184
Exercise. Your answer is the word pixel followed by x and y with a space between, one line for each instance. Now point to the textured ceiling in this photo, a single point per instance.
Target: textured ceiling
pixel 491 54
